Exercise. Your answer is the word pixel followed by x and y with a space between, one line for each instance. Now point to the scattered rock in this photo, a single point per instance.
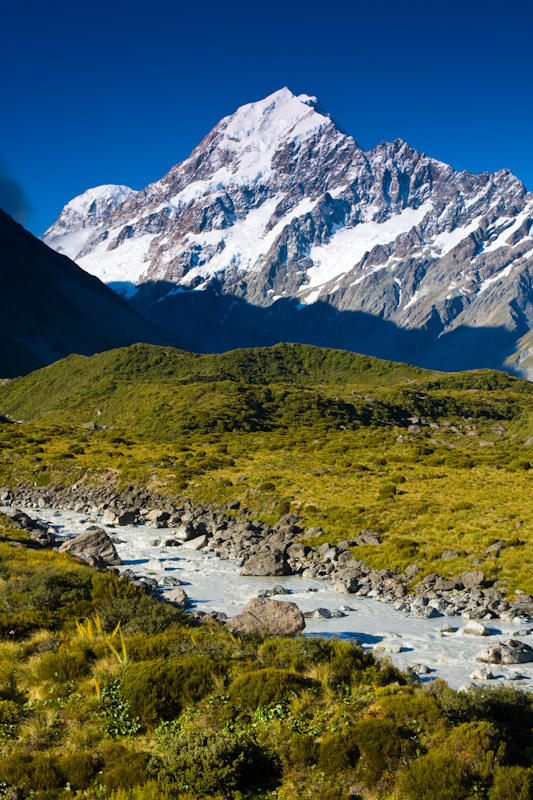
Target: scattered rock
pixel 274 617
pixel 475 628
pixel 388 646
pixel 509 651
pixel 472 579
pixel 448 554
pixel 420 669
pixel 266 563
pixel 482 674
pixel 198 543
pixel 178 597
pixel 368 536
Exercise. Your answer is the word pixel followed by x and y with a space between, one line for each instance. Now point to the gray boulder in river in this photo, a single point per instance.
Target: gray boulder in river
pixel 94 546
pixel 273 617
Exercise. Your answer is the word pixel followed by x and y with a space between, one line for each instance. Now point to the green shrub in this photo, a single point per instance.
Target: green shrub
pixel 264 686
pixel 295 654
pixel 48 588
pixel 10 715
pixel 435 776
pixel 478 746
pixel 408 710
pixel 78 769
pixel 158 645
pixel 63 665
pixel 208 761
pixel 348 664
pixel 511 783
pixel 510 709
pixel 21 771
pixel 386 491
pixel 380 744
pixel 303 749
pixel 337 753
pixel 123 767
pixel 160 689
pixel 18 625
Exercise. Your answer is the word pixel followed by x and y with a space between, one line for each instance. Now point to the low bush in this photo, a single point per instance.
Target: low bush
pixel 337 753
pixel 264 686
pixel 78 769
pixel 434 776
pixel 348 664
pixel 159 689
pixel 37 773
pixel 381 744
pixel 409 710
pixel 511 783
pixel 208 762
pixel 64 665
pixel 123 768
pixel 303 749
pixel 10 715
pixel 477 745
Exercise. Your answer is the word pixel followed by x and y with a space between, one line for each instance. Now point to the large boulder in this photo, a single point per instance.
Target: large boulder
pixel 471 580
pixel 93 546
pixel 368 536
pixel 266 563
pixel 475 628
pixel 272 617
pixel 509 651
pixel 178 597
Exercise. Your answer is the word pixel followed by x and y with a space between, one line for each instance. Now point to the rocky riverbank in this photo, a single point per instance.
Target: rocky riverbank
pixel 261 550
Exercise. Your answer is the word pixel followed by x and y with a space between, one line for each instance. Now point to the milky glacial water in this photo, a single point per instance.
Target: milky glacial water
pixel 214 584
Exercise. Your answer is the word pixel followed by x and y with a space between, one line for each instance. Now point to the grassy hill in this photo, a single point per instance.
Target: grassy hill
pixel 328 434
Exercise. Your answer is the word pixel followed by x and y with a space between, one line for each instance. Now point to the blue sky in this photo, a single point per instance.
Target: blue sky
pixel 118 92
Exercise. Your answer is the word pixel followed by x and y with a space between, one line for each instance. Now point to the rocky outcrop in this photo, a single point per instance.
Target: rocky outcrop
pixel 270 617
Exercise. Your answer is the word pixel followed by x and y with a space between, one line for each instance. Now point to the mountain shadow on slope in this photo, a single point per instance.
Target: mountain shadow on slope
pixel 50 307
pixel 216 322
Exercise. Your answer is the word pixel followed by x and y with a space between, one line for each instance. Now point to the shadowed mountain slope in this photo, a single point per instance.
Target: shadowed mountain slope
pixel 49 307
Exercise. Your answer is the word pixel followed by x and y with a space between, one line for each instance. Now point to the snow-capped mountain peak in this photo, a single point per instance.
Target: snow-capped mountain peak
pixel 83 215
pixel 278 202
pixel 280 116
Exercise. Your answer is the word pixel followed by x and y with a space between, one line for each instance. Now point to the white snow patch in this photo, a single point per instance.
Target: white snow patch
pixel 503 273
pixel 445 242
pixel 412 301
pixel 501 239
pixel 124 263
pixel 70 244
pixel 348 245
pixel 246 241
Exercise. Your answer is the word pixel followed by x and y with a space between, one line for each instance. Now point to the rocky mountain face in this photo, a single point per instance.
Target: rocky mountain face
pixel 280 227
pixel 49 307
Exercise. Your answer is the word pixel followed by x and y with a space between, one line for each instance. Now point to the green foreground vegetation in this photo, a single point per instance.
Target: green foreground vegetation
pixel 107 692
